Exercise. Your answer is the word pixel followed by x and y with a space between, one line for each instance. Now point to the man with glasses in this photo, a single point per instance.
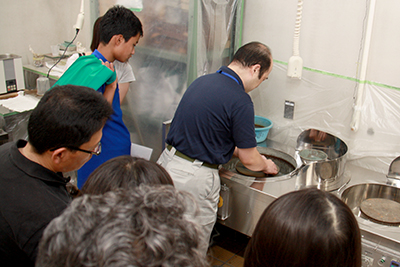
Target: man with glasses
pixel 96 151
pixel 64 132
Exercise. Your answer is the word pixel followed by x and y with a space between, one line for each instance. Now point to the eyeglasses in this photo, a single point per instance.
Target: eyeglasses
pixel 96 151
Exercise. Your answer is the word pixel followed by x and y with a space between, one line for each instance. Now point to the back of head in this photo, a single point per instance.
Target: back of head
pixel 119 20
pixel 150 226
pixel 305 228
pixel 67 115
pixel 96 34
pixel 125 172
pixel 254 53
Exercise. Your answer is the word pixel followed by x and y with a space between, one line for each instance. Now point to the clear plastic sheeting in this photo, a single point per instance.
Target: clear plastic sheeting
pixel 378 139
pixel 16 125
pixel 182 40
pixel 326 103
pixel 14 116
pixel 337 50
pixel 216 19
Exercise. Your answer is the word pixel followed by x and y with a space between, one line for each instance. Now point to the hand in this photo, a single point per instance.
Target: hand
pixel 108 64
pixel 270 168
pixel 317 135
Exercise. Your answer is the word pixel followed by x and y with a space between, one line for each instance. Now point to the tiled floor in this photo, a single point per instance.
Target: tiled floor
pixel 227 247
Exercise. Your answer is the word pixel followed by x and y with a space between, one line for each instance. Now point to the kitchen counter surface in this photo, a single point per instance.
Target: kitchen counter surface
pixel 249 197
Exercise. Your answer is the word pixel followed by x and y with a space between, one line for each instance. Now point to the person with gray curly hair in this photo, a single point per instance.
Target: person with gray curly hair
pixel 148 226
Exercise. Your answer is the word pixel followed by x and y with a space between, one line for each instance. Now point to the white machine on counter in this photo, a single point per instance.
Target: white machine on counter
pixel 11 73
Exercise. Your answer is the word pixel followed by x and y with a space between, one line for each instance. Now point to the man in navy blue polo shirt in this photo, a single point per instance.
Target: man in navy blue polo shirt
pixel 213 122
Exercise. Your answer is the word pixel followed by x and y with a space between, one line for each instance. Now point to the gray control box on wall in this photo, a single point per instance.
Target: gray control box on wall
pixel 289 110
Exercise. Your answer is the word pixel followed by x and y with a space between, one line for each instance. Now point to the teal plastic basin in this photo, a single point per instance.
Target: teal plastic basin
pixel 262 127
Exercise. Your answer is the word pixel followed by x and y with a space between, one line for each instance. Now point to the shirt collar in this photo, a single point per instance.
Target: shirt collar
pixel 231 72
pixel 97 54
pixel 34 169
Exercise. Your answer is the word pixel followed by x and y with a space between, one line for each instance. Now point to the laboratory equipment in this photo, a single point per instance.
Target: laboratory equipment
pixel 11 73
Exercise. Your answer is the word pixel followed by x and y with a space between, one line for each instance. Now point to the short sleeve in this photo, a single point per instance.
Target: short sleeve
pixel 124 72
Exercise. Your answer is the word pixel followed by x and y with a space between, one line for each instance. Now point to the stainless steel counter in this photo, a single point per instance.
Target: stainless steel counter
pixel 248 198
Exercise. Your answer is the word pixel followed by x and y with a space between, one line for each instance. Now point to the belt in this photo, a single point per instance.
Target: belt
pixel 181 155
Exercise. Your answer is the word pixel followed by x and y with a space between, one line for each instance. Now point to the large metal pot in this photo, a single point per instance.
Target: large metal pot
pixel 393 175
pixel 328 174
pixel 354 196
pixel 388 195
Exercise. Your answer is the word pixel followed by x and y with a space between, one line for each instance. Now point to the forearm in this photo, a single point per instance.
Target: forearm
pixel 123 90
pixel 110 89
pixel 254 161
pixel 109 92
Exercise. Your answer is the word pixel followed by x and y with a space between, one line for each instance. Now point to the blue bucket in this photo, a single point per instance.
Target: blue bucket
pixel 262 126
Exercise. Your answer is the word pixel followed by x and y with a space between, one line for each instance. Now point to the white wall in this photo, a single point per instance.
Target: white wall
pixel 40 23
pixel 331 45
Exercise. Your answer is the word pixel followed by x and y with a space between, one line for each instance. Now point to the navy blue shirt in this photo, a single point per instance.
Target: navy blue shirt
pixel 214 115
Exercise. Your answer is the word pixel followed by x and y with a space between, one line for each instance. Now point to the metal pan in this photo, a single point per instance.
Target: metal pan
pixel 285 163
pixel 354 196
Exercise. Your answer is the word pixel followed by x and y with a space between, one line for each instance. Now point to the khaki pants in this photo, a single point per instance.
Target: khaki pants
pixel 202 182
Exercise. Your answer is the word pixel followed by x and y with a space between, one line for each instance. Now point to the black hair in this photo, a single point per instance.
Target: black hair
pixel 125 172
pixel 119 20
pixel 254 53
pixel 67 116
pixel 96 35
pixel 306 228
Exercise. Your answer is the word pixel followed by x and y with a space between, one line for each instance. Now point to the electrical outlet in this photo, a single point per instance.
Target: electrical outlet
pixel 295 67
pixel 289 110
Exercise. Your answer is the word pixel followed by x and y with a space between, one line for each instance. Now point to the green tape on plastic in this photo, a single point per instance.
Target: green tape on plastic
pixel 343 77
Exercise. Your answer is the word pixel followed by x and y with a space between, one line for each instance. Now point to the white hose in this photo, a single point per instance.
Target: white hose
pixel 297 28
pixel 363 72
pixel 295 63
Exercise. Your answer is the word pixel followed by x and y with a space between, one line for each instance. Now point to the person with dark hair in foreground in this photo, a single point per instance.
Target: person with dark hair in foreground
pixel 146 227
pixel 125 172
pixel 64 132
pixel 306 228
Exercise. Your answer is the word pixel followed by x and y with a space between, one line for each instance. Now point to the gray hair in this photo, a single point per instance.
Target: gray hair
pixel 148 226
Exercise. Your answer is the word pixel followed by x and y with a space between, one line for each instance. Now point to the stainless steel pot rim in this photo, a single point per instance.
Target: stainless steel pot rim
pixel 312 155
pixel 355 194
pixel 371 184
